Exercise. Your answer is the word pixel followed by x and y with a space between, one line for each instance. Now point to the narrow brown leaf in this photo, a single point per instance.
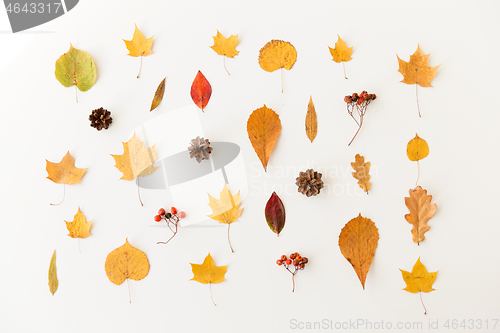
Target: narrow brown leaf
pixel 421 211
pixel 362 172
pixel 311 121
pixel 160 91
pixel 358 242
pixel 275 213
pixel 263 127
pixel 201 90
pixel 53 282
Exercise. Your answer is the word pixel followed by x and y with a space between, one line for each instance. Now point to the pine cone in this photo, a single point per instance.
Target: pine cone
pixel 309 182
pixel 200 148
pixel 100 118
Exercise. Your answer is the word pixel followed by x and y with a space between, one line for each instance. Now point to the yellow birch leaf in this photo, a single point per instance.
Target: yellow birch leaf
pixel 341 52
pixel 53 282
pixel 139 45
pixel 417 70
pixel 361 172
pixel 126 262
pixel 419 280
pixel 421 211
pixel 225 46
pixel 79 227
pixel 65 171
pixel 311 121
pixel 263 127
pixel 417 149
pixel 137 160
pixel 277 54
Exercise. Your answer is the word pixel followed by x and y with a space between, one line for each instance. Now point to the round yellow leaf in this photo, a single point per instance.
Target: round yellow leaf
pixel 417 149
pixel 277 54
pixel 126 262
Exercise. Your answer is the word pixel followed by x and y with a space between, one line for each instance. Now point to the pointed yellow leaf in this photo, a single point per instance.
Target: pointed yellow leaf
pixel 361 172
pixel 226 209
pixel 79 227
pixel 139 45
pixel 417 149
pixel 126 262
pixel 311 121
pixel 208 272
pixel 53 282
pixel 417 70
pixel 421 211
pixel 341 52
pixel 419 280
pixel 65 171
pixel 225 46
pixel 137 160
pixel 263 127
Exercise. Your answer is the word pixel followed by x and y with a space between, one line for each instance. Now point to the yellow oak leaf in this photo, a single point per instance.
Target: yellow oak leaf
pixel 341 52
pixel 137 160
pixel 226 209
pixel 361 172
pixel 65 171
pixel 225 46
pixel 208 273
pixel 126 262
pixel 417 70
pixel 79 227
pixel 421 211
pixel 277 54
pixel 139 45
pixel 53 281
pixel 419 280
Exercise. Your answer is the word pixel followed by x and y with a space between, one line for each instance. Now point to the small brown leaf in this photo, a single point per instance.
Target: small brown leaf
pixel 311 121
pixel 362 172
pixel 275 213
pixel 358 242
pixel 201 90
pixel 421 211
pixel 263 127
pixel 158 95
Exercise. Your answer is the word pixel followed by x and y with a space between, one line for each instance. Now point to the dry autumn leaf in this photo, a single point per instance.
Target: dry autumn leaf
pixel 341 53
pixel 421 211
pixel 361 172
pixel 226 209
pixel 76 68
pixel 201 90
pixel 79 227
pixel 208 273
pixel 277 54
pixel 126 262
pixel 275 214
pixel 160 91
pixel 419 280
pixel 417 149
pixel 64 172
pixel 225 46
pixel 139 46
pixel 358 241
pixel 417 71
pixel 263 127
pixel 53 282
pixel 311 121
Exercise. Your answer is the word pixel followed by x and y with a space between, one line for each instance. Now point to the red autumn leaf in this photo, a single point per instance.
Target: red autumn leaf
pixel 201 90
pixel 275 213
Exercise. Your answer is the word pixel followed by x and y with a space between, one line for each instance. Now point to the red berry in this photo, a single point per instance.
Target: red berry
pixel 292 256
pixel 173 210
pixel 182 215
pixel 283 258
pixel 279 262
pixel 161 211
pixel 295 263
pixel 157 218
pixel 288 262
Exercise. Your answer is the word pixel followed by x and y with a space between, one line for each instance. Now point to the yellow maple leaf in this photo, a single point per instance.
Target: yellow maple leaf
pixel 361 172
pixel 225 46
pixel 226 209
pixel 139 46
pixel 65 171
pixel 417 70
pixel 137 160
pixel 208 273
pixel 421 211
pixel 79 227
pixel 341 52
pixel 419 280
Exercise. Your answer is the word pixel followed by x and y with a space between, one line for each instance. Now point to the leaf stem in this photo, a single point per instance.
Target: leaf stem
pixel 416 94
pixel 210 287
pixel 418 172
pixel 343 65
pixel 224 57
pixel 79 248
pixel 425 310
pixel 129 298
pixel 140 67
pixel 281 69
pixel 76 94
pixel 139 193
pixel 64 196
pixel 229 240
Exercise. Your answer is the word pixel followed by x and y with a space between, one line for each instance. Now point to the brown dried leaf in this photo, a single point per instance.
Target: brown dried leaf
pixel 311 121
pixel 160 91
pixel 362 172
pixel 358 242
pixel 421 211
pixel 417 70
pixel 263 127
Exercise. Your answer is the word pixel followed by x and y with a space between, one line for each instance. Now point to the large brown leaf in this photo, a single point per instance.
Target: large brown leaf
pixel 263 127
pixel 358 242
pixel 421 211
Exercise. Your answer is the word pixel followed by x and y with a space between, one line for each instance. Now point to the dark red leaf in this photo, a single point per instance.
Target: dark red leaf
pixel 201 90
pixel 275 213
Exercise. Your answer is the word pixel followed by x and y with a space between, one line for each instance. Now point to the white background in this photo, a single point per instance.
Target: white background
pixel 40 120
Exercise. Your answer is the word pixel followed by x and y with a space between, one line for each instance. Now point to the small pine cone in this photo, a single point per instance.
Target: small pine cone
pixel 100 118
pixel 200 148
pixel 309 182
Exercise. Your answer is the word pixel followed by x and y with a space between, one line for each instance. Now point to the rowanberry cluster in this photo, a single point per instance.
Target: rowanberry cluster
pixel 173 218
pixel 295 260
pixel 358 103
